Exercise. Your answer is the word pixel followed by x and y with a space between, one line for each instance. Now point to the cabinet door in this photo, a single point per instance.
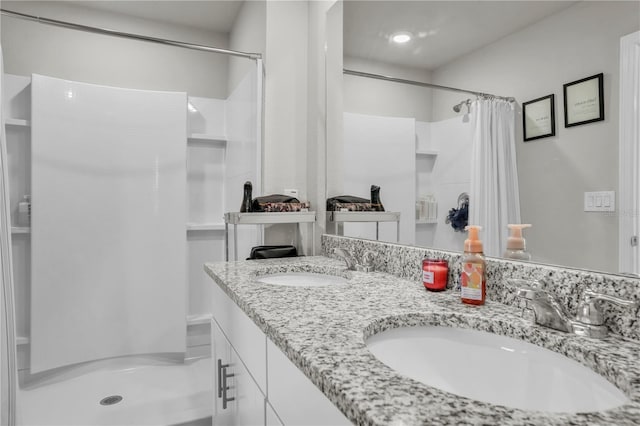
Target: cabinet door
pixel 271 418
pixel 294 397
pixel 245 337
pixel 238 399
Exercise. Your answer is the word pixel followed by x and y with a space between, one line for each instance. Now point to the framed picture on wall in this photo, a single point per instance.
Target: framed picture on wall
pixel 538 118
pixel 584 101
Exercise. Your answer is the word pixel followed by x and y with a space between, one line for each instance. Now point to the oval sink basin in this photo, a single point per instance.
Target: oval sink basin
pixel 301 279
pixel 495 369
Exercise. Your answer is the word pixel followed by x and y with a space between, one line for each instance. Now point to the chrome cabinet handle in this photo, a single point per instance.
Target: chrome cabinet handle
pixel 220 368
pixel 225 388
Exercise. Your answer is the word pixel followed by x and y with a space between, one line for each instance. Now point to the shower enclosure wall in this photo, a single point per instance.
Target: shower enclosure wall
pixel 221 145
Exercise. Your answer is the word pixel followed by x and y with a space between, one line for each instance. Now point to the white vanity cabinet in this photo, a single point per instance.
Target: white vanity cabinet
pixel 265 388
pixel 292 395
pixel 245 337
pixel 238 399
pixel 271 418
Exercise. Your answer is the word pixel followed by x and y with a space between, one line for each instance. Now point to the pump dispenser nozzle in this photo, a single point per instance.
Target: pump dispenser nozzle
pixel 515 240
pixel 516 243
pixel 473 244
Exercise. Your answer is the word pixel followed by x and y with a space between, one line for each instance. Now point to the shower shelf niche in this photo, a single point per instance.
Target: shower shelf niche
pixel 426 221
pixel 190 227
pixel 20 230
pixel 205 226
pixel 18 122
pixel 204 137
pixel 192 320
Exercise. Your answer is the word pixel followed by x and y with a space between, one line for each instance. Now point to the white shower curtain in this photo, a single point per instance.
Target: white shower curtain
pixel 8 370
pixel 494 199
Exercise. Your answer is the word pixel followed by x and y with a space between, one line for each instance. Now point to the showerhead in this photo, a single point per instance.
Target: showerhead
pixel 458 107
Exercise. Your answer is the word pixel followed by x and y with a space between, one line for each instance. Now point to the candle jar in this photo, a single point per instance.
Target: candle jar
pixel 435 273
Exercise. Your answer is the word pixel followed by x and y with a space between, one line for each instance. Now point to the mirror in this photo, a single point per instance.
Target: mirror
pixel 521 49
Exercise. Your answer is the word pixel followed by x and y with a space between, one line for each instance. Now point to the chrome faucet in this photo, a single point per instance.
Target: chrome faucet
pixel 549 312
pixel 352 264
pixel 347 257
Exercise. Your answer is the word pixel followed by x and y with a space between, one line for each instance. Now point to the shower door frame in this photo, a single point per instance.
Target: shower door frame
pixel 629 155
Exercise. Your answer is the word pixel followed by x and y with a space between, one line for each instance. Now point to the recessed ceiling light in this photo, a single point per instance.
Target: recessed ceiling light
pixel 401 37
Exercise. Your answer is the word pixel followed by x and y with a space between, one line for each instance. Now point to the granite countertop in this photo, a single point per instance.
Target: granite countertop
pixel 323 331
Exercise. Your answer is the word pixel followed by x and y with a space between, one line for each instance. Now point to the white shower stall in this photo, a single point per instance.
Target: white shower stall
pixel 127 190
pixel 408 159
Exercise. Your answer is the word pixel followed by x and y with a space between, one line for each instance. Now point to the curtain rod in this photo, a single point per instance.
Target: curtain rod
pixel 114 33
pixel 419 83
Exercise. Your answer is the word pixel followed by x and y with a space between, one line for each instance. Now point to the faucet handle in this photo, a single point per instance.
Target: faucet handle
pixel 527 289
pixel 367 265
pixel 588 311
pixel 368 257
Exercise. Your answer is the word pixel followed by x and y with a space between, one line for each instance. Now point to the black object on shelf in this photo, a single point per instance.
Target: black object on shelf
pixel 375 198
pixel 272 252
pixel 258 202
pixel 246 199
pixel 344 199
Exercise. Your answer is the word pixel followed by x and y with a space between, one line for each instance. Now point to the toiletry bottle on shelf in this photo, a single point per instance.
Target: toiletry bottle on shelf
pixel 246 199
pixel 423 208
pixel 24 211
pixel 375 198
pixel 515 243
pixel 472 280
pixel 432 207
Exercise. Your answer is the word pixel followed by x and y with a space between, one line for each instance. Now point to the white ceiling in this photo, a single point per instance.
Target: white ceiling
pixel 215 15
pixel 445 30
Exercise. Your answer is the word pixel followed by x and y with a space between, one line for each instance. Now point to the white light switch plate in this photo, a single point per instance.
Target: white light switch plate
pixel 600 201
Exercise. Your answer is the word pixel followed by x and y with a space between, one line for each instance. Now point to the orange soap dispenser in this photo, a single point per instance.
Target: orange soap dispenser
pixel 472 281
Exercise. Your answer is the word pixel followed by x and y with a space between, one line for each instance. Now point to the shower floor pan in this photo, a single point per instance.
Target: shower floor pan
pixel 133 391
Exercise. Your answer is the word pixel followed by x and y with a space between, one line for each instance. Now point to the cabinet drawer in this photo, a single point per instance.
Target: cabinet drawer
pixel 245 337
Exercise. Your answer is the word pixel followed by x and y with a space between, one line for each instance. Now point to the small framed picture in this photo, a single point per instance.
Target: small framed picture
pixel 539 118
pixel 584 101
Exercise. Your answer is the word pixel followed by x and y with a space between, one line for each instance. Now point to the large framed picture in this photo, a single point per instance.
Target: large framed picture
pixel 538 118
pixel 584 101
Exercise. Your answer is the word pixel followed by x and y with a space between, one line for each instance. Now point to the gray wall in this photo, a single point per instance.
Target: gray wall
pixel 554 172
pixel 377 97
pixel 247 35
pixel 30 47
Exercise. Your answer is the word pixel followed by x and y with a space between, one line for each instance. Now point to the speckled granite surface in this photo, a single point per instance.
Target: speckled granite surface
pixel 567 284
pixel 323 331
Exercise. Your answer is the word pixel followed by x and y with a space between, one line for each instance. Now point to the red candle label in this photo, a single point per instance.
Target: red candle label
pixel 427 277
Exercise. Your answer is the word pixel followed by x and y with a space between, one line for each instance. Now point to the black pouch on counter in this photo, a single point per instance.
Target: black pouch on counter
pixel 256 204
pixel 272 252
pixel 346 199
